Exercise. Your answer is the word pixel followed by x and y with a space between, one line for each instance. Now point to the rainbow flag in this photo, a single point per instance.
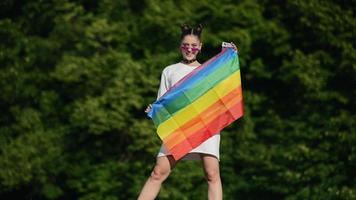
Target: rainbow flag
pixel 200 105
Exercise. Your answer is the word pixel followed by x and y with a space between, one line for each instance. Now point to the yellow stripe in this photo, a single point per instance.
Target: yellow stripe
pixel 199 105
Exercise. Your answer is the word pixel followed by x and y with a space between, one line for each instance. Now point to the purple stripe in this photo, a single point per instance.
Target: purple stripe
pixel 196 71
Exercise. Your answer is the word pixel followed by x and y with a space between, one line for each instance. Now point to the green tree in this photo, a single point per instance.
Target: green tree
pixel 76 76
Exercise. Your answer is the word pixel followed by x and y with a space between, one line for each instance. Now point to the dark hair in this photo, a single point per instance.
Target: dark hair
pixel 187 30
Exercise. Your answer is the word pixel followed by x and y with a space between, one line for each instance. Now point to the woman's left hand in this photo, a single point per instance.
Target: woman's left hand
pixel 234 46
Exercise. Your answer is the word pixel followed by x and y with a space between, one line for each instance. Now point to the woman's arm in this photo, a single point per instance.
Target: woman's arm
pixel 163 87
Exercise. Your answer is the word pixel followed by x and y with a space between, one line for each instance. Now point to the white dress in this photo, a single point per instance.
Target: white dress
pixel 171 75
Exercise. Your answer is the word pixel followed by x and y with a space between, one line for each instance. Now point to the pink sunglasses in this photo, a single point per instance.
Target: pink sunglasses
pixel 186 49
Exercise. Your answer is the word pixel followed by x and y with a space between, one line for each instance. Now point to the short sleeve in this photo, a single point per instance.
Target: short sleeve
pixel 164 84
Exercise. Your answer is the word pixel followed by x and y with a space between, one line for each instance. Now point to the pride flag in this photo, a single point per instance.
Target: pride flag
pixel 200 105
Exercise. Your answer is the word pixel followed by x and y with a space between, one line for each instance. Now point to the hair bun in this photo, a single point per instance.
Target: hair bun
pixel 185 28
pixel 199 29
pixel 188 30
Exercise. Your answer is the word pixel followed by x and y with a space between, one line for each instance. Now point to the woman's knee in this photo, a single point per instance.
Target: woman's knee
pixel 160 173
pixel 212 174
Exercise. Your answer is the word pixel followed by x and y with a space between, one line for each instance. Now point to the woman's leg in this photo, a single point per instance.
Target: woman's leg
pixel 160 172
pixel 212 174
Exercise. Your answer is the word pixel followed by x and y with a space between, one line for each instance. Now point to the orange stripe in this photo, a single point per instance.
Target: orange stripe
pixel 205 117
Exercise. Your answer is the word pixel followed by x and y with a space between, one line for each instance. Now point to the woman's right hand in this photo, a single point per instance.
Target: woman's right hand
pixel 149 107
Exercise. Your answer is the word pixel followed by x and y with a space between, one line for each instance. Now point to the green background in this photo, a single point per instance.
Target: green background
pixel 76 76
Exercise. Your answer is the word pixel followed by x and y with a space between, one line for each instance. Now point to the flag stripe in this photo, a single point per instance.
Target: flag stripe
pixel 181 81
pixel 171 106
pixel 191 80
pixel 202 135
pixel 193 109
pixel 205 117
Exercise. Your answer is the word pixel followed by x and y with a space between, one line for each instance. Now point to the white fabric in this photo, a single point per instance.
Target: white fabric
pixel 171 75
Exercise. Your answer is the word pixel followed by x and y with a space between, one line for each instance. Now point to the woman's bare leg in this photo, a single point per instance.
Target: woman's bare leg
pixel 212 174
pixel 161 171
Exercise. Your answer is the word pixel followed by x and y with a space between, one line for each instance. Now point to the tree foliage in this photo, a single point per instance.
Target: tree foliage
pixel 76 76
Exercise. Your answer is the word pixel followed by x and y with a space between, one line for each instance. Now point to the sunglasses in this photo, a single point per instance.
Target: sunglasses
pixel 186 49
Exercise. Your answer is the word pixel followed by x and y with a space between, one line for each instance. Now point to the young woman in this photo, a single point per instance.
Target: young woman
pixel 207 152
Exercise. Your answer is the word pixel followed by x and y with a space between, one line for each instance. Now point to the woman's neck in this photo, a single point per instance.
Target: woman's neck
pixel 192 63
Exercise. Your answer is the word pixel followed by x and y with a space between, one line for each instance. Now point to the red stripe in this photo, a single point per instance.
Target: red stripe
pixel 205 133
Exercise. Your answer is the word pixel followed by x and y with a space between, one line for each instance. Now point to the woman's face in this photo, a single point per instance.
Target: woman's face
pixel 190 47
